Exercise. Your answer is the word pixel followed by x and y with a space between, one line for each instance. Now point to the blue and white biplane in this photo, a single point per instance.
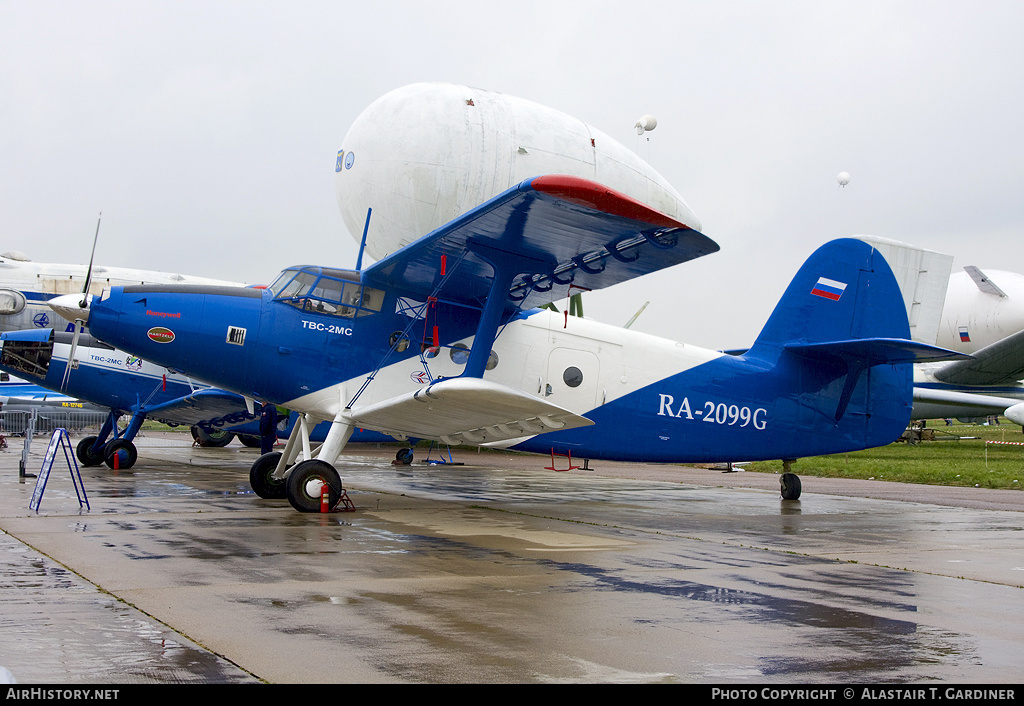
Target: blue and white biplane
pixel 444 340
pixel 122 385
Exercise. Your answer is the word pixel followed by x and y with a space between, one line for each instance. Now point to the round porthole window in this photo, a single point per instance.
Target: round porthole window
pixel 459 353
pixel 573 376
pixel 399 343
pixel 492 361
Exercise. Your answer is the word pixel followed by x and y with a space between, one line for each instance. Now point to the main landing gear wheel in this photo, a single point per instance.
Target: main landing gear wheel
pixel 261 480
pixel 790 485
pixel 212 439
pixel 120 453
pixel 250 440
pixel 404 457
pixel 306 481
pixel 85 453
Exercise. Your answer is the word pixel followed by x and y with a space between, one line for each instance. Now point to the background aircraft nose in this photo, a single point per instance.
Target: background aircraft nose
pixel 70 306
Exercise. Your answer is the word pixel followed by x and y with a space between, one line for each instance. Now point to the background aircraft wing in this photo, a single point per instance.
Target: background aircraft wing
pixel 997 364
pixel 582 235
pixel 974 403
pixel 209 406
pixel 465 411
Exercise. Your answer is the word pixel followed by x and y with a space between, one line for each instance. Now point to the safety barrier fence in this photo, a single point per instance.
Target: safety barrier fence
pixel 1001 443
pixel 16 422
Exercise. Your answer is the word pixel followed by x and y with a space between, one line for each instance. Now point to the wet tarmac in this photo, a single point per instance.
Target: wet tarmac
pixel 501 571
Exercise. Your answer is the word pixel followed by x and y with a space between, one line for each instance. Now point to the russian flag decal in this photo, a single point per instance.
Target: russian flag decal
pixel 828 288
pixel 965 337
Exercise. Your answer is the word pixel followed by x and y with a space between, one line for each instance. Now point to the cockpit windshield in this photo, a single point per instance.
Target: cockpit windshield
pixel 322 290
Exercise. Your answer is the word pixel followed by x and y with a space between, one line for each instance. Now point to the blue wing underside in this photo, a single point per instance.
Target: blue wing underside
pixel 204 406
pixel 561 235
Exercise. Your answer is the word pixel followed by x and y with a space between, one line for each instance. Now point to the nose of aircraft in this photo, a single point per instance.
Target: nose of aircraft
pixel 71 306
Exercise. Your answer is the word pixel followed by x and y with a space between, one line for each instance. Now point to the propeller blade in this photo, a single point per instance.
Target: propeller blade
pixel 71 355
pixel 88 272
pixel 83 304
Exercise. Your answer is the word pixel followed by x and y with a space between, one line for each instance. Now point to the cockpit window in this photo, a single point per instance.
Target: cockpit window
pixel 320 290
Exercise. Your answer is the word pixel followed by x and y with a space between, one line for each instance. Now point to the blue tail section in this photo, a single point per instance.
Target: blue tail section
pixel 843 315
pixel 845 290
pixel 839 347
pixel 830 372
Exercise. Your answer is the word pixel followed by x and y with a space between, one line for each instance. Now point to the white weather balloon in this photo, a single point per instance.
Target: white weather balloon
pixel 646 123
pixel 843 178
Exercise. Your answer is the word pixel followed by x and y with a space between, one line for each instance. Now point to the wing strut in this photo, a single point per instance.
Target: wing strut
pixel 405 333
pixel 506 266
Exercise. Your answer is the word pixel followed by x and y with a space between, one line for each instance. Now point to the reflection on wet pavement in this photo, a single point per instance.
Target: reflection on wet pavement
pixel 57 628
pixel 484 574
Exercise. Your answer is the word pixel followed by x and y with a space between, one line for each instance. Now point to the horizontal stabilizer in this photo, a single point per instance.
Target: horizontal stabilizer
pixel 854 356
pixel 465 411
pixel 875 351
pixel 1001 363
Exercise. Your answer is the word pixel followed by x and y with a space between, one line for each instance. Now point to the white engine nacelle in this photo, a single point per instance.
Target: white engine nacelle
pixel 424 154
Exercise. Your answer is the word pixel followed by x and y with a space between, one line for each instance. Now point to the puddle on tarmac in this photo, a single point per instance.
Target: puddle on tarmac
pixel 57 628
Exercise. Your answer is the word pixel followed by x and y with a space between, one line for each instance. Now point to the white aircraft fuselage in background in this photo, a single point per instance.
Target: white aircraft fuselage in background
pixel 983 315
pixel 26 286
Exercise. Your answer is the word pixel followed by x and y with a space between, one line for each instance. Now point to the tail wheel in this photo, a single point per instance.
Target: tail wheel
pixel 790 485
pixel 120 453
pixel 306 482
pixel 261 480
pixel 87 456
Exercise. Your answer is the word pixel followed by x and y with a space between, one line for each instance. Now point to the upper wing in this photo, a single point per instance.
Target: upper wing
pixel 997 364
pixel 578 234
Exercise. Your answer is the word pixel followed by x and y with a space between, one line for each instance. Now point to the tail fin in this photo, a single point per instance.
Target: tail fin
pixel 845 290
pixel 843 314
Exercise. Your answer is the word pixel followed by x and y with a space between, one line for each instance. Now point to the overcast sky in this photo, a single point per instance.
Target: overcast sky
pixel 207 132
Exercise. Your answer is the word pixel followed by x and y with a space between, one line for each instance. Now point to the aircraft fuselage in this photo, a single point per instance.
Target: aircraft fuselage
pixel 650 399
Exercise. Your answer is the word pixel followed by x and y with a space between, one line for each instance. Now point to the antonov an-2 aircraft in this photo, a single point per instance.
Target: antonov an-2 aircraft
pixel 442 339
pixel 33 338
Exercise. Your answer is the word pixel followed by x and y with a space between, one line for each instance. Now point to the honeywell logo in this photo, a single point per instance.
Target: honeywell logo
pixel 163 314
